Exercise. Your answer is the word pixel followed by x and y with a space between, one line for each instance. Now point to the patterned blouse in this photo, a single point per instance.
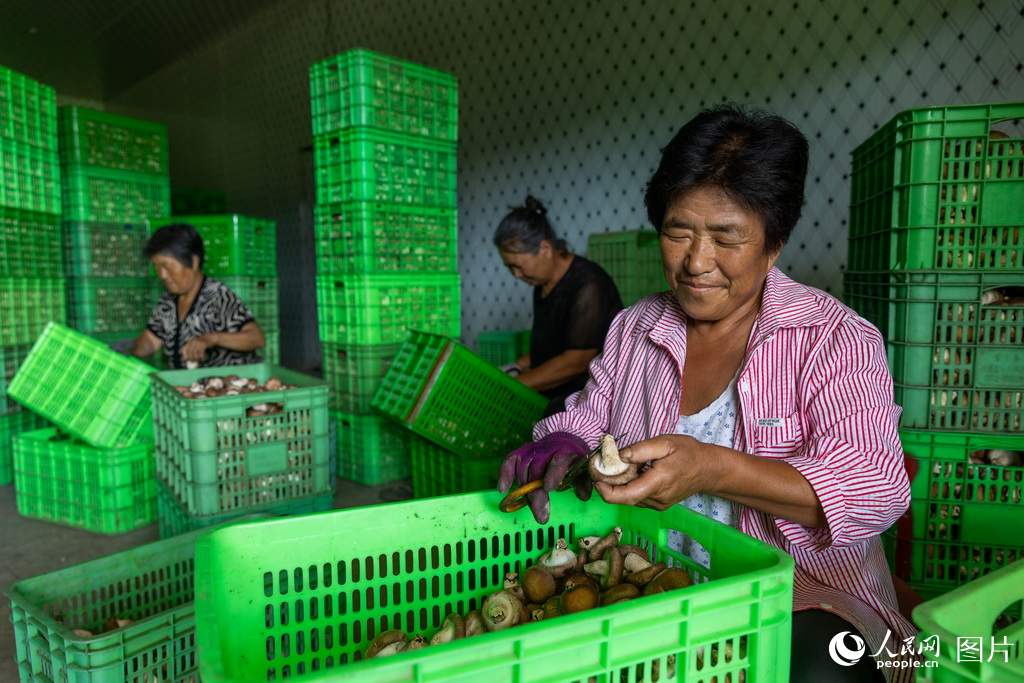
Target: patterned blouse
pixel 814 390
pixel 215 309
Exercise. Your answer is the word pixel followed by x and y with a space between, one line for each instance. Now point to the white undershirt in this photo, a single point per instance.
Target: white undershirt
pixel 716 425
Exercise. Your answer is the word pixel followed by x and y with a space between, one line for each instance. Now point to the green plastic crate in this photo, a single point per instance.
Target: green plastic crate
pixel 174 520
pixel 372 237
pixel 369 165
pixel 956 527
pixel 97 139
pixel 29 177
pixel 381 309
pixel 355 372
pixel 235 245
pixel 107 304
pixel 28 110
pixel 188 202
pixel 86 389
pixel 27 306
pixel 10 426
pixel 633 260
pixel 216 459
pixel 65 481
pixel 271 351
pixel 371 449
pixel 364 88
pixel 930 190
pixel 970 612
pixel 29 244
pixel 446 393
pixel 464 546
pixel 106 196
pixel 11 358
pixel 501 347
pixel 151 584
pixel 957 364
pixel 439 472
pixel 260 295
pixel 105 249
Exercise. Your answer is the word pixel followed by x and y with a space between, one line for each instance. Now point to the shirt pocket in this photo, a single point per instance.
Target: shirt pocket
pixel 776 437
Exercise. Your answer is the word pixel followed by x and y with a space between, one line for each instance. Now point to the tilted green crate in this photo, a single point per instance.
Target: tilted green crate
pixel 89 137
pixel 968 613
pixel 30 177
pixel 65 481
pixel 368 165
pixel 364 88
pixel 222 454
pixel 930 190
pixel 86 389
pixel 446 393
pixel 235 245
pixel 27 306
pixel 151 585
pixel 105 196
pixel 371 449
pixel 29 244
pixel 381 309
pixel 375 237
pixel 28 110
pixel 424 559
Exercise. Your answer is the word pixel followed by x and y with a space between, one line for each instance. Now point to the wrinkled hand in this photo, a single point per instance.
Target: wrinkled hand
pixel 679 467
pixel 123 346
pixel 548 459
pixel 195 349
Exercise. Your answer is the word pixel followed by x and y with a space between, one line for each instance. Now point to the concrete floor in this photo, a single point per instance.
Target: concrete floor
pixel 30 547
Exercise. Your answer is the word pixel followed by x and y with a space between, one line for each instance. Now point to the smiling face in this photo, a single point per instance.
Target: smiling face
pixel 176 278
pixel 533 269
pixel 714 256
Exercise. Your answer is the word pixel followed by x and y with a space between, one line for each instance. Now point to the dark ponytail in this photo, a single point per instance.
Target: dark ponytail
pixel 525 227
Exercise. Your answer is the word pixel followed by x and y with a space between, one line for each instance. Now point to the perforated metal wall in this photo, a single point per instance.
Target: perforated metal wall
pixel 571 101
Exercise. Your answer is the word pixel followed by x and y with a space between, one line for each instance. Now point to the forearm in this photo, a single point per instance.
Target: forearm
pixel 766 484
pixel 146 344
pixel 558 370
pixel 249 338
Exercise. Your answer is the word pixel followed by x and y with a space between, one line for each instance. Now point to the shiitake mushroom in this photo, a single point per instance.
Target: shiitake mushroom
pixel 501 610
pixel 387 643
pixel 538 584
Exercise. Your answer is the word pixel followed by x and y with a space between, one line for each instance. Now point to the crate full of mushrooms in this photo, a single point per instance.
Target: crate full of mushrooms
pixel 242 437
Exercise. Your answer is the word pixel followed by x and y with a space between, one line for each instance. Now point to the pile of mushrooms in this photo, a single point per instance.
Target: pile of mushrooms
pixel 233 385
pixel 563 581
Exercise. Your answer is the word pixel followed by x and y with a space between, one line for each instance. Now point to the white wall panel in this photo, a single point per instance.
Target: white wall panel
pixel 571 101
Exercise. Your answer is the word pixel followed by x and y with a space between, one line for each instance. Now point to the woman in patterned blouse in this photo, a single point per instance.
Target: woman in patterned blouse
pixel 198 321
pixel 753 399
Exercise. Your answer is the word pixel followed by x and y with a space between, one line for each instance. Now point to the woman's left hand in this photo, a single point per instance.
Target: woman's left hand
pixel 195 349
pixel 679 468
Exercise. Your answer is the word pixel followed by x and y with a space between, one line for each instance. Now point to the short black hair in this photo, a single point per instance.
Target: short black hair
pixel 179 240
pixel 757 158
pixel 524 228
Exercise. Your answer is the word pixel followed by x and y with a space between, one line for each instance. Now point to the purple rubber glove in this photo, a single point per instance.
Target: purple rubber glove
pixel 548 459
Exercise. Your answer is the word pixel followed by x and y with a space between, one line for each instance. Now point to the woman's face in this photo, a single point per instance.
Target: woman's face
pixel 533 269
pixel 714 257
pixel 176 278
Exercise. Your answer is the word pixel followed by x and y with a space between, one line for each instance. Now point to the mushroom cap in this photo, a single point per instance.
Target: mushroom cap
pixel 538 584
pixel 383 640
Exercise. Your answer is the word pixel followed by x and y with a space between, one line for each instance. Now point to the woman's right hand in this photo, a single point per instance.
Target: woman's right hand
pixel 547 459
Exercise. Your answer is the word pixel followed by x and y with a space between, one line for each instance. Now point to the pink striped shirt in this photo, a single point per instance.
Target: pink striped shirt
pixel 815 389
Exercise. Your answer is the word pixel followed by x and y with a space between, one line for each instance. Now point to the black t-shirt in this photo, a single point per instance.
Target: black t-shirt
pixel 215 309
pixel 576 314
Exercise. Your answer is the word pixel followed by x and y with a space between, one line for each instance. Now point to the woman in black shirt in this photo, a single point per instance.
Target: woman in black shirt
pixel 198 321
pixel 574 302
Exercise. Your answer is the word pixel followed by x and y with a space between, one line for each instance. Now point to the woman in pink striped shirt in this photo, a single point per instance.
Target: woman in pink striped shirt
pixel 756 400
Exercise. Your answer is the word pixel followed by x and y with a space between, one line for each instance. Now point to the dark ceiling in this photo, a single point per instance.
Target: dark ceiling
pixel 93 49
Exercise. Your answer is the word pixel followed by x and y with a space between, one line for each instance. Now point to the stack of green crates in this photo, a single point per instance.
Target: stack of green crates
pixel 633 260
pixel 97 472
pixel 115 180
pixel 936 262
pixel 241 252
pixel 385 133
pixel 31 273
